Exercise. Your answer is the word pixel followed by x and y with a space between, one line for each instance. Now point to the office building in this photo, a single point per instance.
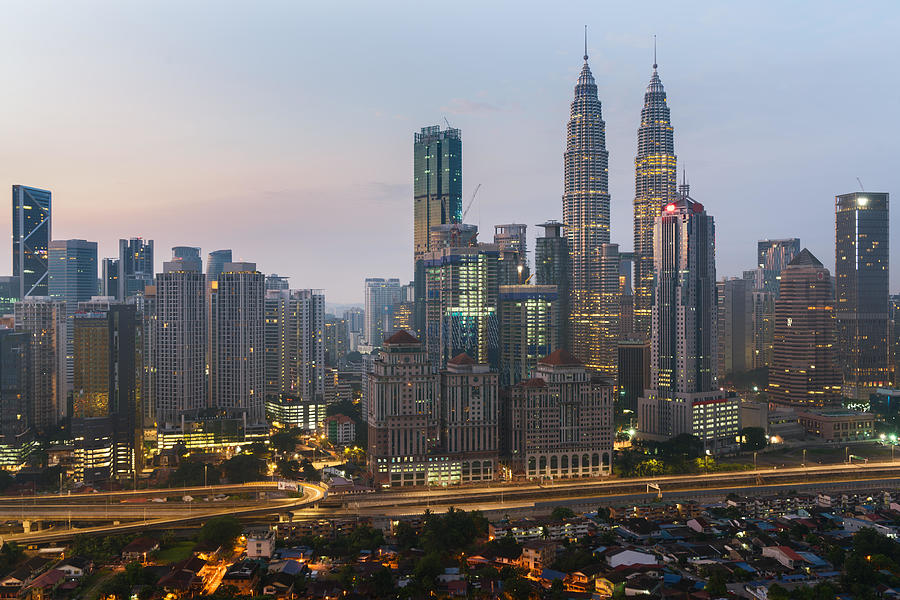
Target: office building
pixel 215 262
pixel 561 421
pixel 461 291
pixel 179 337
pixel 296 412
pixel 107 394
pixel 402 415
pixel 861 291
pixel 763 323
pixel 15 432
pixel 626 295
pixel 45 320
pixel 295 344
pixel 437 183
pixel 514 237
pixel 655 177
pixel 145 307
pixel 551 267
pixel 772 257
pixel 529 329
pixel 9 294
pixel 586 215
pixel 31 221
pixel 337 340
pixel 237 346
pixel 189 254
pixel 135 266
pixel 469 421
pixel 277 282
pixel 805 369
pixel 609 309
pixel 109 277
pixel 683 395
pixel 735 327
pixel 633 376
pixel 72 278
pixel 380 297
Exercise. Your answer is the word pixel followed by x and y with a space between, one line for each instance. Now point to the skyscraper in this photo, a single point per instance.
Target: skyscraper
pixel 586 215
pixel 109 277
pixel 461 291
pixel 655 177
pixel 437 199
pixel 683 396
pixel 135 266
pixel 179 341
pixel 295 344
pixel 72 279
pixel 861 290
pixel 514 236
pixel 735 327
pixel 14 387
pixel 215 261
pixel 189 254
pixel 529 329
pixel 238 342
pixel 551 267
pixel 610 308
pixel 804 370
pixel 31 239
pixel 9 294
pixel 45 320
pixel 380 296
pixel 772 257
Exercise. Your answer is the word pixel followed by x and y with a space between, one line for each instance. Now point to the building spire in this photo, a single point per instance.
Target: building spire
pixel 585 44
pixel 654 51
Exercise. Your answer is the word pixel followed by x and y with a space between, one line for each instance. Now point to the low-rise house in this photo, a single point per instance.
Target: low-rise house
pixel 243 575
pixel 139 549
pixel 638 530
pixel 785 555
pixel 184 576
pixel 630 558
pixel 537 555
pixel 583 579
pixel 75 567
pixel 260 544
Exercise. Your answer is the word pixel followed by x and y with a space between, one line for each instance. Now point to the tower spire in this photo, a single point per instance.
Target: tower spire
pixel 585 44
pixel 654 51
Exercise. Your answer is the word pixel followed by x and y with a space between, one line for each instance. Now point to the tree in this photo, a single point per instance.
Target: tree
pixel 286 441
pixel 289 469
pixel 243 468
pixel 562 512
pixel 194 473
pixel 753 438
pixel 221 531
pixel 517 588
pixel 309 471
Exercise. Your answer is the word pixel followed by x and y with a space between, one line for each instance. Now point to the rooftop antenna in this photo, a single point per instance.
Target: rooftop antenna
pixel 585 44
pixel 861 188
pixel 654 51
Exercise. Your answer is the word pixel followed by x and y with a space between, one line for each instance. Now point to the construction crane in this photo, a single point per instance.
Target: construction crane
pixel 861 188
pixel 469 205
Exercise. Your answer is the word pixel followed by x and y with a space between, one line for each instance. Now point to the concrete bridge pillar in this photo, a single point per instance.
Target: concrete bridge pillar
pixel 26 525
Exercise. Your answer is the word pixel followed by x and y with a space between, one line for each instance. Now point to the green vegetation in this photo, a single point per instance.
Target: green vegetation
pixel 244 467
pixel 121 584
pixel 100 548
pixel 191 473
pixel 175 553
pixel 222 531
pixel 753 438
pixel 561 512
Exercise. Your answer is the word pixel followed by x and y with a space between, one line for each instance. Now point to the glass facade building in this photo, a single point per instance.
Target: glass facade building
pixel 135 266
pixel 215 262
pixel 529 329
pixel 861 291
pixel 31 239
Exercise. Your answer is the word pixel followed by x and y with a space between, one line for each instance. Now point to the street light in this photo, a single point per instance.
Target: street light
pixel 708 453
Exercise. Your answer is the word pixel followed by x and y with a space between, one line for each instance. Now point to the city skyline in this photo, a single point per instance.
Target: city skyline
pixel 207 137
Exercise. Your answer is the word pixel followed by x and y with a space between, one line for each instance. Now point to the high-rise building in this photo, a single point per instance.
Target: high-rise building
pixel 633 375
pixel 188 254
pixel 31 239
pixel 626 295
pixel 772 257
pixel 586 215
pixel 763 324
pixel 469 421
pixel 45 320
pixel 145 307
pixel 72 279
pixel 461 291
pixel 179 343
pixel 14 353
pixel 610 308
pixel 861 289
pixel 655 177
pixel 9 294
pixel 683 396
pixel 514 237
pixel 215 262
pixel 804 370
pixel 561 421
pixel 237 347
pixel 135 266
pixel 402 415
pixel 109 277
pixel 337 340
pixel 437 183
pixel 277 282
pixel 107 393
pixel 529 329
pixel 735 327
pixel 295 344
pixel 380 296
pixel 551 267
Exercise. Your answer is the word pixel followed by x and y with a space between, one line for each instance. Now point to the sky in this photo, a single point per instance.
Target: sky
pixel 284 130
